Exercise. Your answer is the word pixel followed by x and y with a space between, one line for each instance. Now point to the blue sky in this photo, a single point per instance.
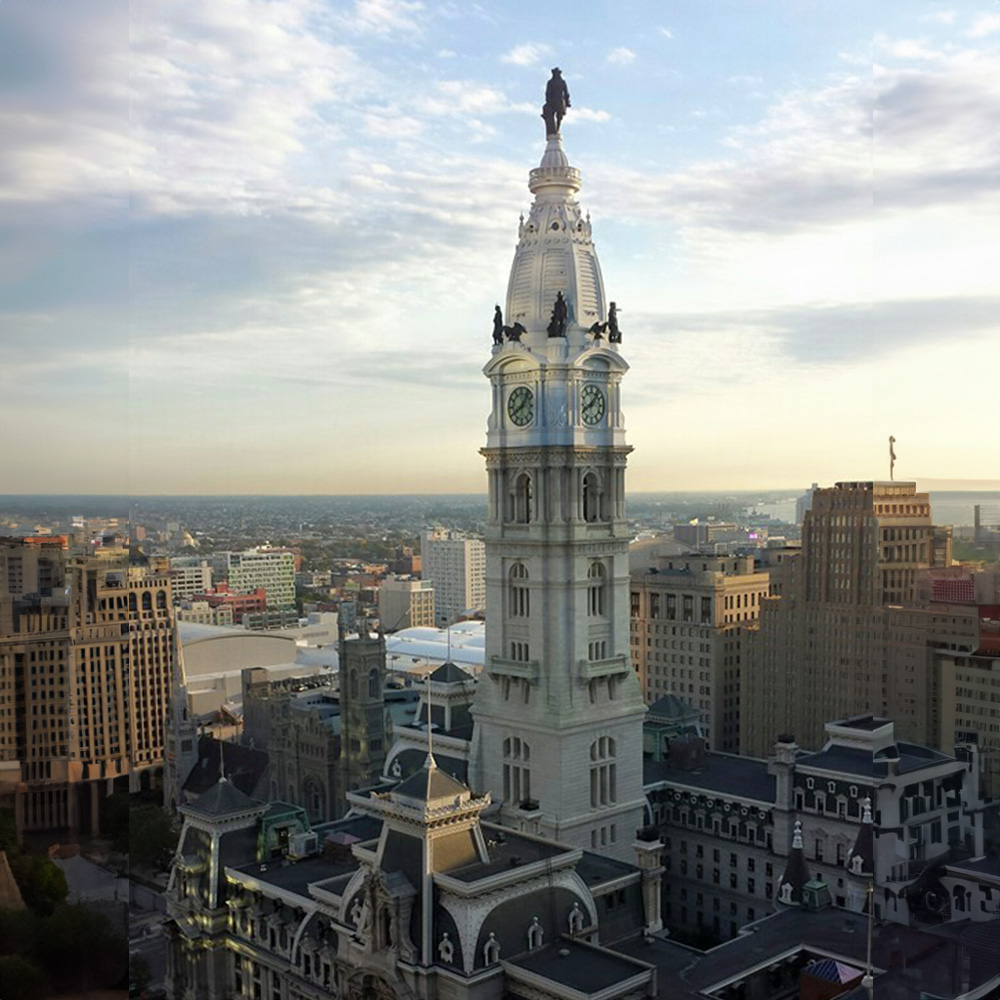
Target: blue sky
pixel 254 245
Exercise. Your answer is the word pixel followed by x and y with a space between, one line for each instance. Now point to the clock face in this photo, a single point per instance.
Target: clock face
pixel 593 403
pixel 521 406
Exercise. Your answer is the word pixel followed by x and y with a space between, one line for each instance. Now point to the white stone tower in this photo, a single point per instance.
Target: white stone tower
pixel 558 710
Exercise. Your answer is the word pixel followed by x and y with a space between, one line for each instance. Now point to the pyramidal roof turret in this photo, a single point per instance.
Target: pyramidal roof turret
pixel 555 254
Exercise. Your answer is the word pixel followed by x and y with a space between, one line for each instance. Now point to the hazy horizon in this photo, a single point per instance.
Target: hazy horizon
pixel 253 248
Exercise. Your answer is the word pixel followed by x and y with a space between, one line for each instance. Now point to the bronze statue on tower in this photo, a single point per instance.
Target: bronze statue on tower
pixel 556 102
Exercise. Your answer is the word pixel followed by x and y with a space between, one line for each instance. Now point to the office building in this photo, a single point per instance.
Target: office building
pixel 87 647
pixel 406 603
pixel 688 618
pixel 189 575
pixel 821 649
pixel 732 827
pixel 246 571
pixel 455 565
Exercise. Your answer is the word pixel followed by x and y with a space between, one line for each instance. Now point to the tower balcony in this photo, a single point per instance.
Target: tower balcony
pixel 499 666
pixel 590 669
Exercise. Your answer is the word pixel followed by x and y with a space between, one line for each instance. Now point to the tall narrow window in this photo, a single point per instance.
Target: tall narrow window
pixel 520 596
pixel 596 588
pixel 523 499
pixel 603 772
pixel 592 497
pixel 516 770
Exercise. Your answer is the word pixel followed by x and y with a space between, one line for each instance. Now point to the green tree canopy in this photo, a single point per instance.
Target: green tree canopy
pixel 22 979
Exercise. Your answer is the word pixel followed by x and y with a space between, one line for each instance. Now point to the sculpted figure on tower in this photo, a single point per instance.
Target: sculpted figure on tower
pixel 556 102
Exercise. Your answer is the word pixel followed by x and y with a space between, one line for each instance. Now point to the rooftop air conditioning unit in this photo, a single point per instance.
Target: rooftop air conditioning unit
pixel 302 845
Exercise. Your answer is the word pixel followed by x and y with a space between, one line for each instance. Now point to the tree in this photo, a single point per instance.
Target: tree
pixel 151 837
pixel 42 883
pixel 22 979
pixel 82 949
pixel 8 831
pixel 18 929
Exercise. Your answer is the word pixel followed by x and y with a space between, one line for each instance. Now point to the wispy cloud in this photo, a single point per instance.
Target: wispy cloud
pixel 527 54
pixel 666 33
pixel 385 17
pixel 988 24
pixel 621 56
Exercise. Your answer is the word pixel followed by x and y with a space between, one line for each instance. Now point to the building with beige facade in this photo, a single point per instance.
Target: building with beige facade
pixel 404 602
pixel 688 617
pixel 86 652
pixel 839 639
pixel 456 565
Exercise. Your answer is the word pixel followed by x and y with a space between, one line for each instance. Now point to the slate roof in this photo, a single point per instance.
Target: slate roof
pixel 840 759
pixel 411 760
pixel 222 799
pixel 596 869
pixel 684 974
pixel 671 707
pixel 579 966
pixel 745 777
pixel 428 784
pixel 513 851
pixel 244 766
pixel 989 866
pixel 449 673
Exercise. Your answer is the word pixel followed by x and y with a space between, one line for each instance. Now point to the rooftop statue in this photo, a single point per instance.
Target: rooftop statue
pixel 557 325
pixel 556 102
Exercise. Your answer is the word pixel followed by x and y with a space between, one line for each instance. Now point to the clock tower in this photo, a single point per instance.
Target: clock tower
pixel 558 710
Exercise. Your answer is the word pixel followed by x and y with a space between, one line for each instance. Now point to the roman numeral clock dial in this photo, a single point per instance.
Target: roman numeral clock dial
pixel 593 405
pixel 521 406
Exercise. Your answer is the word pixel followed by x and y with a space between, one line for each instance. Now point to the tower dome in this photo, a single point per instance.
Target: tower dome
pixel 555 252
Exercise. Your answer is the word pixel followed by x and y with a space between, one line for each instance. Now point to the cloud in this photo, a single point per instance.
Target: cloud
pixel 666 32
pixel 940 16
pixel 528 54
pixel 464 97
pixel 621 56
pixel 988 24
pixel 588 115
pixel 64 113
pixel 385 17
pixel 225 97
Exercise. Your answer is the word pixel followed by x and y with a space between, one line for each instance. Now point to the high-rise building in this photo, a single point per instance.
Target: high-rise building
pixel 689 614
pixel 190 575
pixel 558 710
pixel 827 647
pixel 272 570
pixel 405 603
pixel 456 567
pixel 87 648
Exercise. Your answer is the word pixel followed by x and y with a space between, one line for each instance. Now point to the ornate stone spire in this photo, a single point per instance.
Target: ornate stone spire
pixel 555 253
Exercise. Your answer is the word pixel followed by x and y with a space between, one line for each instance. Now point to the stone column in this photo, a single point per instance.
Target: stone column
pixel 649 857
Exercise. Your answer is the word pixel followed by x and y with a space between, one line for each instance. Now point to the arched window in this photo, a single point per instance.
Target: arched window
pixel 603 772
pixel 373 684
pixel 491 950
pixel 147 601
pixel 519 595
pixel 523 499
pixel 161 600
pixel 516 770
pixel 593 499
pixel 131 603
pixel 596 586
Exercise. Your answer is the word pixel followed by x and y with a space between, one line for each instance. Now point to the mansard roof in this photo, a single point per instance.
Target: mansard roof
pixel 222 799
pixel 449 673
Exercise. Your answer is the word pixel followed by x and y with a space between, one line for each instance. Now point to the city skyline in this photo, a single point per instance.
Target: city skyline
pixel 321 207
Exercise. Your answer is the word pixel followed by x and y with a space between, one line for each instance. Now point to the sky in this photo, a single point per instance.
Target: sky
pixel 253 246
